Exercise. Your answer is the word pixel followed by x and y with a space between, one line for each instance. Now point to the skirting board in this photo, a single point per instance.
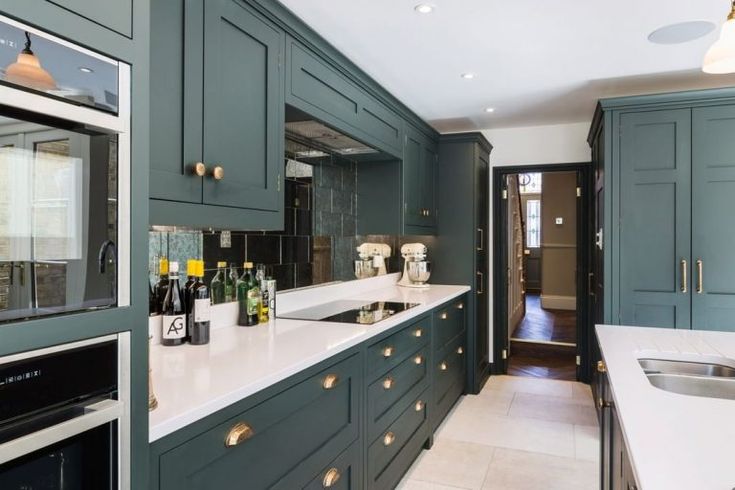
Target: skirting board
pixel 551 302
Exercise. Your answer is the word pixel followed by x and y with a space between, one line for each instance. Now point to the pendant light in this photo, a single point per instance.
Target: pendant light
pixel 27 70
pixel 720 57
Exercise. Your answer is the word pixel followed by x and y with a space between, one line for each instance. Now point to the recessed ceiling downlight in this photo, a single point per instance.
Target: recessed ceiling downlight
pixel 468 75
pixel 682 32
pixel 424 8
pixel 489 110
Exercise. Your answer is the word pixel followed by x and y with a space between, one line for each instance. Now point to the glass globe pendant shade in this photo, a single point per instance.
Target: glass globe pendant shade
pixel 27 70
pixel 720 57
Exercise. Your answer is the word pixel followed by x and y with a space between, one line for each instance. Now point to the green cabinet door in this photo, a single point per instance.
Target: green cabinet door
pixel 428 184
pixel 419 167
pixel 713 218
pixel 655 218
pixel 243 107
pixel 116 15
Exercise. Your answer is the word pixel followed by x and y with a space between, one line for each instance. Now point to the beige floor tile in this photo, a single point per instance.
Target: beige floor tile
pixel 511 432
pixel 553 408
pixel 453 463
pixel 587 443
pixel 409 484
pixel 489 401
pixel 519 470
pixel 520 384
pixel 583 392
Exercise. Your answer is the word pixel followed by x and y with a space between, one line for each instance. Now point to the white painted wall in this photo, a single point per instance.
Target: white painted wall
pixel 561 143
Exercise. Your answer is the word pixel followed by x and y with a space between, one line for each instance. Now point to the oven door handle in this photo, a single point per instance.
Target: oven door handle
pixel 96 414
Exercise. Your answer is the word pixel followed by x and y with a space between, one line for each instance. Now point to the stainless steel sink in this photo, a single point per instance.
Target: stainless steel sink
pixel 668 366
pixel 706 386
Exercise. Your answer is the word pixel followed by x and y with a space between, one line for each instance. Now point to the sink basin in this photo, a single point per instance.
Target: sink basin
pixel 706 386
pixel 668 366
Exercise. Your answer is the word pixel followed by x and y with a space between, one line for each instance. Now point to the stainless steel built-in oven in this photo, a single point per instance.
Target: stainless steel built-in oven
pixel 65 417
pixel 64 176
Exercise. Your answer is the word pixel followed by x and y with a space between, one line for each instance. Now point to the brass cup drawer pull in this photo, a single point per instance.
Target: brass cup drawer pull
pixel 387 351
pixel 443 315
pixel 330 381
pixel 388 383
pixel 460 350
pixel 239 433
pixel 331 478
pixel 419 406
pixel 443 366
pixel 418 332
pixel 389 439
pixel 418 360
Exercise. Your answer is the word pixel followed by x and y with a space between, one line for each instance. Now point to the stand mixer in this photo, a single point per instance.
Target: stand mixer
pixel 372 260
pixel 416 269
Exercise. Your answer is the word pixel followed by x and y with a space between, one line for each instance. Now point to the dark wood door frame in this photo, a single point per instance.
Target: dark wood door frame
pixel 500 258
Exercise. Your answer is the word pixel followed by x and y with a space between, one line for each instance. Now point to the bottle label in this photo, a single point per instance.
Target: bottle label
pixel 174 326
pixel 201 310
pixel 253 302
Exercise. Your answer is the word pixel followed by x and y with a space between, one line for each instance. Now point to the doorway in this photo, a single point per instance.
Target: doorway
pixel 541 264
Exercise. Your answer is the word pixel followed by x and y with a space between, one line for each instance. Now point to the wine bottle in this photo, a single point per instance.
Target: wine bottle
pixel 217 286
pixel 199 317
pixel 247 297
pixel 231 284
pixel 186 291
pixel 161 287
pixel 174 314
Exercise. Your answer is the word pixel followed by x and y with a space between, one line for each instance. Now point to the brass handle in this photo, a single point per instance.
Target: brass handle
pixel 482 239
pixel 460 306
pixel 331 478
pixel 443 315
pixel 602 403
pixel 460 350
pixel 481 277
pixel 387 351
pixel 389 439
pixel 199 169
pixel 388 383
pixel 700 276
pixel 419 406
pixel 418 332
pixel 239 433
pixel 418 360
pixel 601 368
pixel 330 381
pixel 443 366
pixel 684 280
pixel 218 172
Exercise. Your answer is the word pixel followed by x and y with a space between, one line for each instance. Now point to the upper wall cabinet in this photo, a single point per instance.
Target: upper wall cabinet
pixel 321 90
pixel 217 115
pixel 419 168
pixel 116 15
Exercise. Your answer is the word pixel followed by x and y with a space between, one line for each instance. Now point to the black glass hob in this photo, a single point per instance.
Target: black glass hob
pixel 350 312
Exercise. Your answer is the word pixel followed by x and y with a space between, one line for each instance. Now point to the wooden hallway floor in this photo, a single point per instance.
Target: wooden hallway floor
pixel 541 324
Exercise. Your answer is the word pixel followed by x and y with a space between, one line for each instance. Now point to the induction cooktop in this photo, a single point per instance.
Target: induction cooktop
pixel 361 312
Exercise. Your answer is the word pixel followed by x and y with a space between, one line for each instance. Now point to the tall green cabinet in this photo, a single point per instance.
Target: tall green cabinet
pixel 669 173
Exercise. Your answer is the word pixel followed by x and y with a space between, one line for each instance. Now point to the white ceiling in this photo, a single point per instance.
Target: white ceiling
pixel 537 61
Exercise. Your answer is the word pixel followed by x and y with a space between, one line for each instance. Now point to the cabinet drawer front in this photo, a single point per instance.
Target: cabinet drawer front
pixel 308 423
pixel 449 366
pixel 391 351
pixel 448 322
pixel 344 473
pixel 390 394
pixel 116 15
pixel 412 423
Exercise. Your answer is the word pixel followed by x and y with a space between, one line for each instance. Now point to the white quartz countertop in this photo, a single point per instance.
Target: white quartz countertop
pixel 675 441
pixel 191 382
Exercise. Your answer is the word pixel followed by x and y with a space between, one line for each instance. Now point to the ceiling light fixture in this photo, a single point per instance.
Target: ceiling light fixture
pixel 490 110
pixel 27 70
pixel 424 8
pixel 720 57
pixel 470 76
pixel 85 69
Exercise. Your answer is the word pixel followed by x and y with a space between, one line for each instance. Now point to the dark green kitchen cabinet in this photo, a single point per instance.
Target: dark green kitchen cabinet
pixel 669 192
pixel 419 169
pixel 449 366
pixel 217 128
pixel 116 15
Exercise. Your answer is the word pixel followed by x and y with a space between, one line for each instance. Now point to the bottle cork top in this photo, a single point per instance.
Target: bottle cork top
pixel 248 265
pixel 163 266
pixel 173 267
pixel 191 267
pixel 200 268
pixel 222 264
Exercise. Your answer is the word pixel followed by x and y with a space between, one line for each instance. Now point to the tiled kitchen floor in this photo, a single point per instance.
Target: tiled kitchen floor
pixel 517 434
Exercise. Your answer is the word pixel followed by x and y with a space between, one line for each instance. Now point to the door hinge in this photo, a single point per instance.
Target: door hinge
pixel 579 360
pixel 505 194
pixel 504 354
pixel 579 192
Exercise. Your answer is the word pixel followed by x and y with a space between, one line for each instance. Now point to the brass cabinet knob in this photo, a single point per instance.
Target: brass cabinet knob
pixel 601 403
pixel 199 169
pixel 418 332
pixel 218 172
pixel 389 439
pixel 330 381
pixel 443 315
pixel 443 366
pixel 419 406
pixel 388 383
pixel 331 478
pixel 387 351
pixel 460 306
pixel 239 433
pixel 460 350
pixel 601 368
pixel 418 360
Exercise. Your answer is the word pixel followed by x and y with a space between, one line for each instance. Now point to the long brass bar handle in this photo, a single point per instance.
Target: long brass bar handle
pixel 684 281
pixel 700 276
